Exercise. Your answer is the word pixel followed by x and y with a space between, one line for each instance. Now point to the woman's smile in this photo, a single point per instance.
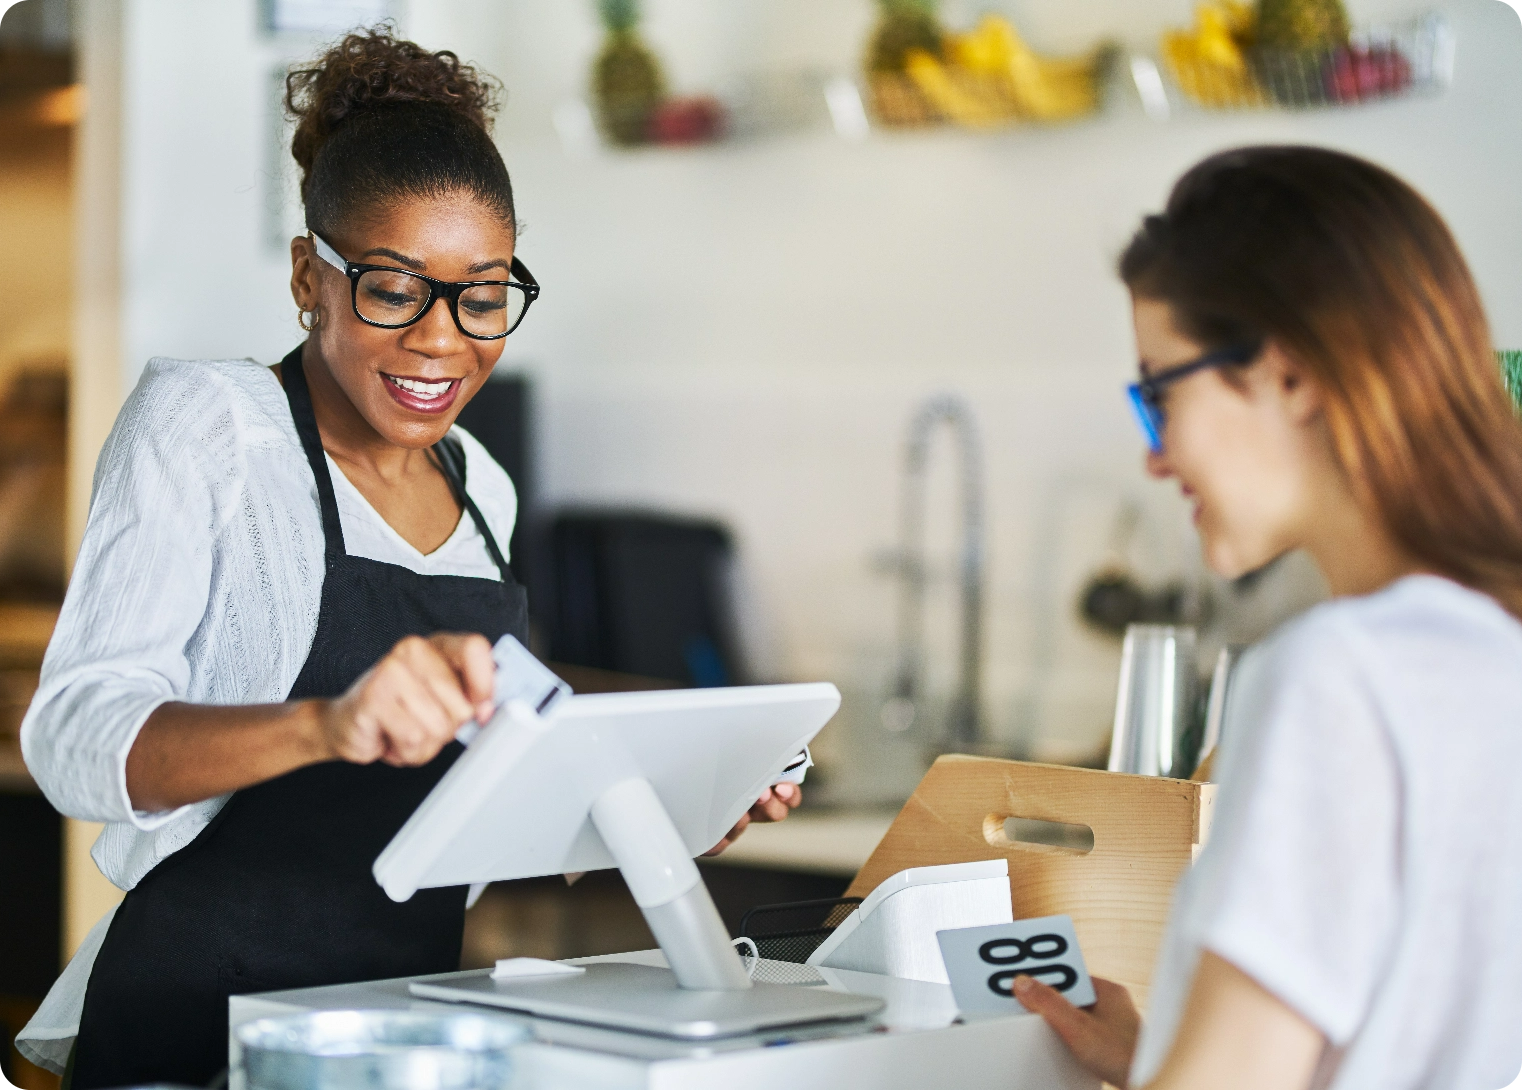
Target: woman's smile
pixel 422 395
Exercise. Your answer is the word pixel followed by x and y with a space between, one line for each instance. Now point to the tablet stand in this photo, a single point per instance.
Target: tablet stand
pixel 641 781
pixel 714 996
pixel 667 887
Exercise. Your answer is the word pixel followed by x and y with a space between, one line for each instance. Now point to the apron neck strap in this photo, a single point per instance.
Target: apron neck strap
pixel 451 456
pixel 300 398
pixel 448 451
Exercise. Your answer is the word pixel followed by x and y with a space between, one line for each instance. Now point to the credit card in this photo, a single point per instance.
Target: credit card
pixel 797 768
pixel 520 676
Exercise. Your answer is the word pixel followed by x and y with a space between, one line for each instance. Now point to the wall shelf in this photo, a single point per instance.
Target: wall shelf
pixel 1381 63
pixel 1408 60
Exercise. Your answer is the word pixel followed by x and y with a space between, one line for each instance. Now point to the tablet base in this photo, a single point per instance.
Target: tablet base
pixel 646 999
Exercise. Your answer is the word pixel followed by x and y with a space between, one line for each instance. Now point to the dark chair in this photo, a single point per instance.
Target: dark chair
pixel 640 593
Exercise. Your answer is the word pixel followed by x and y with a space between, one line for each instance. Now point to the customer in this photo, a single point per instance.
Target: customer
pixel 1317 374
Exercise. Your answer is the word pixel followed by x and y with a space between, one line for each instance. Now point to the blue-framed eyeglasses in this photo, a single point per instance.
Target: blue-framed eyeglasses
pixel 1146 395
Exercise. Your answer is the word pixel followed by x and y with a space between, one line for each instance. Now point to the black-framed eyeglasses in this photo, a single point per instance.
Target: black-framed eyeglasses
pixel 392 298
pixel 1146 395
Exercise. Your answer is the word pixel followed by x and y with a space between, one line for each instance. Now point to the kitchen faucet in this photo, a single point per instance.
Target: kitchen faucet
pixel 964 722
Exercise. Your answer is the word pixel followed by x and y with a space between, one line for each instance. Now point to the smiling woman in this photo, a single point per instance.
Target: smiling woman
pixel 1317 374
pixel 284 603
pixel 254 682
pixel 283 607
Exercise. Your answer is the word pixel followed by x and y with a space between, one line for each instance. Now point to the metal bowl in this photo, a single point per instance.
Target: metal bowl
pixel 378 1050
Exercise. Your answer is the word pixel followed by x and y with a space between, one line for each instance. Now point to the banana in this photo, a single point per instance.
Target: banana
pixel 992 77
pixel 1207 61
pixel 967 103
pixel 1043 88
pixel 1240 18
pixel 986 50
pixel 1213 40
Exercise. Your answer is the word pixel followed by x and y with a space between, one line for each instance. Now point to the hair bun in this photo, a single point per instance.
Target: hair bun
pixel 372 69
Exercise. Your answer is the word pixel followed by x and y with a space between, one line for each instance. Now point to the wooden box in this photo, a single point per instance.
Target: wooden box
pixel 1146 832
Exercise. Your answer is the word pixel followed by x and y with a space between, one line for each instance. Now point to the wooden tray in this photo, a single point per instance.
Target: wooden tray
pixel 1147 830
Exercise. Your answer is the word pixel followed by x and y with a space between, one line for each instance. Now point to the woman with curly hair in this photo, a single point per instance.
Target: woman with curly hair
pixel 285 601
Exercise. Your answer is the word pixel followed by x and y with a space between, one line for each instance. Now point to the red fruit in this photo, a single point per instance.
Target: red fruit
pixel 693 120
pixel 1358 74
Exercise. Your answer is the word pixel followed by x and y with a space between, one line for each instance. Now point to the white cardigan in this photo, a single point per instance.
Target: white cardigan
pixel 198 580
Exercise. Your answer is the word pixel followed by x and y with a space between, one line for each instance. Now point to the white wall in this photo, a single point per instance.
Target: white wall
pixel 744 330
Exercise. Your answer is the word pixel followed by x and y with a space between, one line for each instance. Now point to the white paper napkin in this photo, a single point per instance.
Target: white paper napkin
pixel 524 968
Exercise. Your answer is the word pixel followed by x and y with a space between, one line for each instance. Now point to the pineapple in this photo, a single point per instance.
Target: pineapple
pixel 1302 24
pixel 627 80
pixel 905 25
pixel 1295 42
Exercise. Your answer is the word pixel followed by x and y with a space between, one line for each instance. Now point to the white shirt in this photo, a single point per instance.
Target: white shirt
pixel 1365 861
pixel 198 579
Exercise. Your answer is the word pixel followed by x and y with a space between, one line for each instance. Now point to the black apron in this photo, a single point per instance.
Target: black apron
pixel 276 891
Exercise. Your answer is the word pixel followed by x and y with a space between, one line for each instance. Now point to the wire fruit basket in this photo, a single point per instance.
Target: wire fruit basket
pixel 895 101
pixel 1377 63
pixel 1054 91
pixel 987 77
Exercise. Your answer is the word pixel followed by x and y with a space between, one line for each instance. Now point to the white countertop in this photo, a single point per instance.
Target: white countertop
pixel 910 1045
pixel 831 842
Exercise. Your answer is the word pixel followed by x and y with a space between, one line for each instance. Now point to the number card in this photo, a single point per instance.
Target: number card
pixel 982 963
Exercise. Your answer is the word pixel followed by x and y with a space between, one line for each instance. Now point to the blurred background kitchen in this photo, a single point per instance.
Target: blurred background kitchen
pixel 825 382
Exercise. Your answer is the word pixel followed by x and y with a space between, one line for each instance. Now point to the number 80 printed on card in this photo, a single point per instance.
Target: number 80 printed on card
pixel 982 963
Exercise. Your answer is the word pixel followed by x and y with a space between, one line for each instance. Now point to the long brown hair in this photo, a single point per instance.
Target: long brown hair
pixel 1355 276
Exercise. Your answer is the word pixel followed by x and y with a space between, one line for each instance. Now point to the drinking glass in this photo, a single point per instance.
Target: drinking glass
pixel 1154 700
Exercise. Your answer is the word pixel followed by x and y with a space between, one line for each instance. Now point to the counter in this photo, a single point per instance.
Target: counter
pixel 836 843
pixel 914 1043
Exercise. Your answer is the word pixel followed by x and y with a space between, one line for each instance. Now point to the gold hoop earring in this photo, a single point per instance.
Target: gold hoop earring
pixel 301 320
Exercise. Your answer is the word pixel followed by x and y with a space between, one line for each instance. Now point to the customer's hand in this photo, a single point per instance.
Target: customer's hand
pixel 1102 1037
pixel 774 804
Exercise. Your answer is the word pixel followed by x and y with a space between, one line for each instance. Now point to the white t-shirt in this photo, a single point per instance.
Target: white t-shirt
pixel 198 579
pixel 1365 860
